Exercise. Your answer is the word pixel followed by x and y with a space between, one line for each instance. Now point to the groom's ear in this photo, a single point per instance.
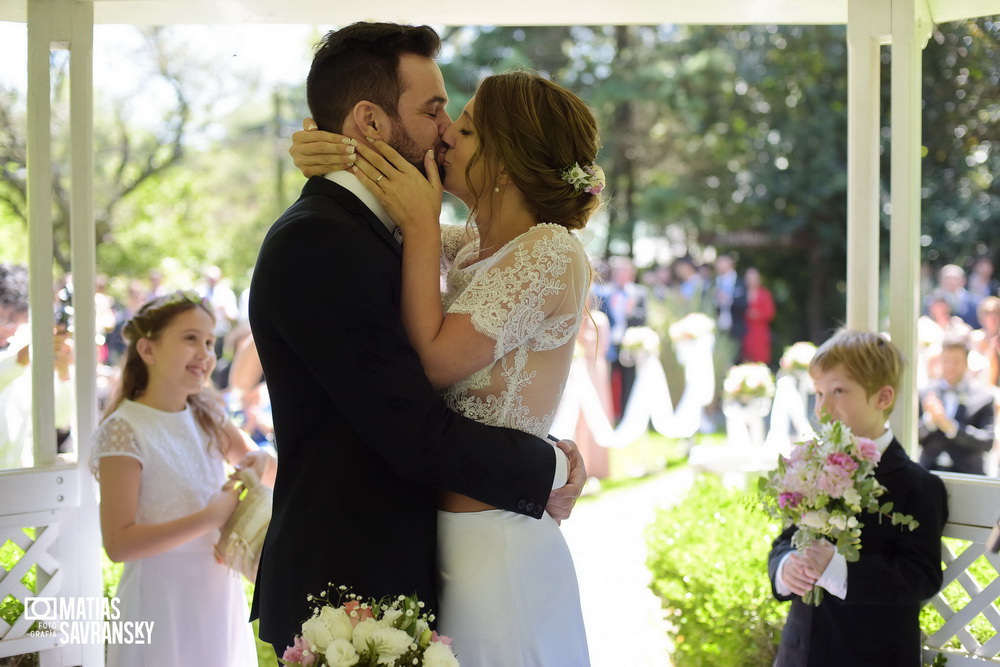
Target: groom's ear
pixel 370 119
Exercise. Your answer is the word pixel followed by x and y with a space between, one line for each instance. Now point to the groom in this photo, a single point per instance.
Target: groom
pixel 363 441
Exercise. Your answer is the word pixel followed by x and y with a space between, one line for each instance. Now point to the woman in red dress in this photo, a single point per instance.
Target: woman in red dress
pixel 759 313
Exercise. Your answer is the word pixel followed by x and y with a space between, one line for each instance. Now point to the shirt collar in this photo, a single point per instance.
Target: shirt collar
pixel 884 440
pixel 351 183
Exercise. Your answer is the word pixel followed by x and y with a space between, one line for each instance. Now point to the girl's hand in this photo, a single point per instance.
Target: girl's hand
pixel 411 199
pixel 262 463
pixel 317 152
pixel 221 505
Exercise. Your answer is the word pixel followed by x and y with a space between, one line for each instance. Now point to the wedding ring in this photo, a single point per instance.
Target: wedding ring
pixel 380 177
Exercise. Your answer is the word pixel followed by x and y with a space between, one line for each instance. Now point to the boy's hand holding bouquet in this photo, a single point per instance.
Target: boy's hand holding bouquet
pixel 823 487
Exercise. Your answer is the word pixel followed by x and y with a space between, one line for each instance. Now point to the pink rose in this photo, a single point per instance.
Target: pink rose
pixel 787 499
pixel 435 637
pixel 299 653
pixel 842 460
pixel 356 612
pixel 868 450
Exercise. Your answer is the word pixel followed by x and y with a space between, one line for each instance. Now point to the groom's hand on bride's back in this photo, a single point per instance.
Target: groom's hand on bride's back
pixel 562 500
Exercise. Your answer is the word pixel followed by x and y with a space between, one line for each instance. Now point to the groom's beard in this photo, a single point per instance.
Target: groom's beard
pixel 407 147
pixel 411 151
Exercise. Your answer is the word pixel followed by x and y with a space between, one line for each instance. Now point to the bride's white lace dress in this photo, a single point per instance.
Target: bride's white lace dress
pixel 509 593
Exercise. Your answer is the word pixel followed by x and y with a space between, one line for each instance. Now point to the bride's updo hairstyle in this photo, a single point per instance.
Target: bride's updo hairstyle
pixel 537 130
pixel 149 322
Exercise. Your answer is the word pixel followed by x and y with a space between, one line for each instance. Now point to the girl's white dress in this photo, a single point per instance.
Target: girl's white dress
pixel 198 606
pixel 509 593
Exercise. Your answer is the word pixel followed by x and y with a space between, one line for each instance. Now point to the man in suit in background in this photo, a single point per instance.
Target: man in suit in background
pixel 730 300
pixel 363 441
pixel 957 415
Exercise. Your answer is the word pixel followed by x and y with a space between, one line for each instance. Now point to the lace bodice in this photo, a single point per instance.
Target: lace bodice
pixel 180 471
pixel 528 297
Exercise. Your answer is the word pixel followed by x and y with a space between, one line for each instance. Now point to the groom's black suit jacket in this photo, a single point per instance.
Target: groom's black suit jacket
pixel 877 625
pixel 363 441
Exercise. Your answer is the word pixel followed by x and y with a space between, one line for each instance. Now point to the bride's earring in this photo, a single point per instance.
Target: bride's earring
pixel 496 188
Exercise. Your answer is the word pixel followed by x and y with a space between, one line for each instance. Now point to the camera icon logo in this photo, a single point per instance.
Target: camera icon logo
pixel 40 609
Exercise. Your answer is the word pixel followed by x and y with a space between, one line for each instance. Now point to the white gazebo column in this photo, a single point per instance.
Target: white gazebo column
pixel 68 25
pixel 868 26
pixel 910 30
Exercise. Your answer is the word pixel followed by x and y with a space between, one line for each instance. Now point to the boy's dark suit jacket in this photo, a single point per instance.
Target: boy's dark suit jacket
pixel 877 625
pixel 975 416
pixel 363 441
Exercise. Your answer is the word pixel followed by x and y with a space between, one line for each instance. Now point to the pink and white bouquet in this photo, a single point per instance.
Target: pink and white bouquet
pixel 823 487
pixel 366 633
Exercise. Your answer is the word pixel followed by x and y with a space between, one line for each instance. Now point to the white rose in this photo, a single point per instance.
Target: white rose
pixel 815 519
pixel 838 521
pixel 390 615
pixel 331 623
pixel 852 497
pixel 362 632
pixel 341 653
pixel 852 522
pixel 390 644
pixel 439 655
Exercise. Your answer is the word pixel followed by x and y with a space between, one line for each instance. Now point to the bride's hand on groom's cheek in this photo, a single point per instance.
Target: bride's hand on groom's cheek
pixel 316 152
pixel 563 499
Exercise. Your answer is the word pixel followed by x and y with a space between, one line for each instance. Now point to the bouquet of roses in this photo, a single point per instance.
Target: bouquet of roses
pixel 691 326
pixel 745 382
pixel 366 633
pixel 823 487
pixel 638 344
pixel 796 357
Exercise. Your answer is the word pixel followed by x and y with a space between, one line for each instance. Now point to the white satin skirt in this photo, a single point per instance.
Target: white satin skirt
pixel 509 594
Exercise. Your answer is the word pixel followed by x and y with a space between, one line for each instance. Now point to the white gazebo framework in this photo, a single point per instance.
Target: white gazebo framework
pixel 57 500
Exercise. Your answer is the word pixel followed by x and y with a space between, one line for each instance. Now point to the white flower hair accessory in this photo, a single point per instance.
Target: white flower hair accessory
pixel 589 178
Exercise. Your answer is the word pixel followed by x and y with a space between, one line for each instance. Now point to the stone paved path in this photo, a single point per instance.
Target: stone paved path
pixel 606 535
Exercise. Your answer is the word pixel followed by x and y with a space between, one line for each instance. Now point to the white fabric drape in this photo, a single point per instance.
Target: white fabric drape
pixel 649 402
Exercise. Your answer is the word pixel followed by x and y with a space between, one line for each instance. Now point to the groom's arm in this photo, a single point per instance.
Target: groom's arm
pixel 373 376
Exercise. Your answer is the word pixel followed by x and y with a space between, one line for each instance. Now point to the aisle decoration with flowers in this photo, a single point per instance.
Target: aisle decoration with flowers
pixel 638 344
pixel 823 487
pixel 354 631
pixel 748 383
pixel 796 357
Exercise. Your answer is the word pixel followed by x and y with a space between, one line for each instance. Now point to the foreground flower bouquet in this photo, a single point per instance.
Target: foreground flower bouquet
pixel 823 487
pixel 366 633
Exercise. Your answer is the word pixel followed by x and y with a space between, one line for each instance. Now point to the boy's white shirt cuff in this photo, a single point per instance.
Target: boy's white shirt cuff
pixel 834 577
pixel 779 582
pixel 561 475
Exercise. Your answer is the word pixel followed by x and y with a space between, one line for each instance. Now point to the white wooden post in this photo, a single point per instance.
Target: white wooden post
pixel 868 25
pixel 910 30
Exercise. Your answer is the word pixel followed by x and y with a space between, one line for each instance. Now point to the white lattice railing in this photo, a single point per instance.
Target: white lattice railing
pixel 46 539
pixel 32 537
pixel 969 633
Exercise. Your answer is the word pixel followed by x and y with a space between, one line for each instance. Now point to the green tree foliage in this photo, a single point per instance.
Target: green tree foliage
pixel 724 137
pixel 961 136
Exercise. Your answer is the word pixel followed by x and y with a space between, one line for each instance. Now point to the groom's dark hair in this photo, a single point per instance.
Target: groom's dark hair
pixel 361 62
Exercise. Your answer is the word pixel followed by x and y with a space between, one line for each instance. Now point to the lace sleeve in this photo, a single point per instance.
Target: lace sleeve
pixel 453 239
pixel 533 289
pixel 115 437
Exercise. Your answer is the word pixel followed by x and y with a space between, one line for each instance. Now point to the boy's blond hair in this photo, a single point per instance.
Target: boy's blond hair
pixel 870 359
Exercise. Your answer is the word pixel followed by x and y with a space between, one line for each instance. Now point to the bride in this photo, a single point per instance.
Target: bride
pixel 500 340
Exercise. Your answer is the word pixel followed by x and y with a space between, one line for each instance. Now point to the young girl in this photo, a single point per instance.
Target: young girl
pixel 159 455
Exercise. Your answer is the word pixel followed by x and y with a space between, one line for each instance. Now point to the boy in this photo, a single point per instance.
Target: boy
pixel 870 609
